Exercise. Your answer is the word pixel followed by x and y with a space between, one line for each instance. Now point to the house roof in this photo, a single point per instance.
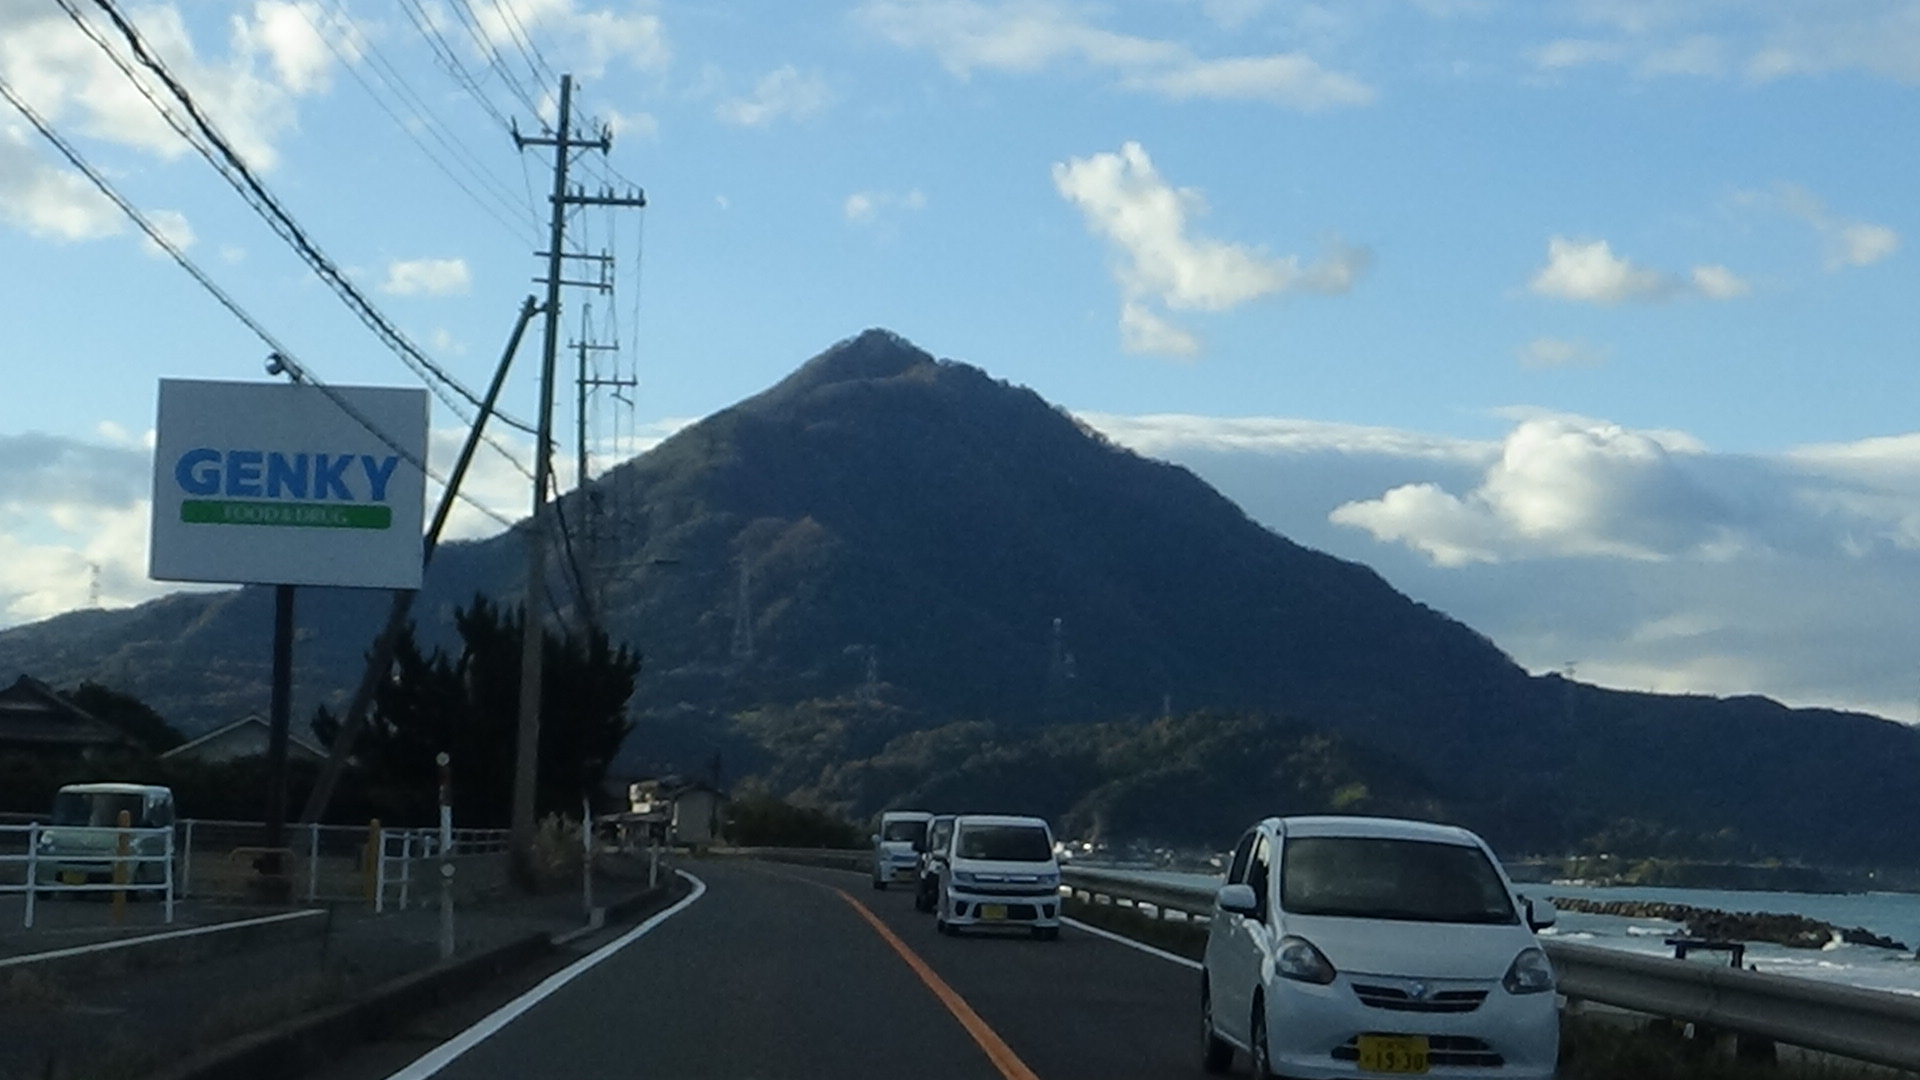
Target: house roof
pixel 227 730
pixel 31 712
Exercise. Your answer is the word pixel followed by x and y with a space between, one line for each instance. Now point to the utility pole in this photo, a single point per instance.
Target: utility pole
pixel 533 627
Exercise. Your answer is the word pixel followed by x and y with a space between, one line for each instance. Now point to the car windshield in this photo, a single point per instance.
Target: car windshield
pixel 1005 843
pixel 1379 878
pixel 903 830
pixel 81 808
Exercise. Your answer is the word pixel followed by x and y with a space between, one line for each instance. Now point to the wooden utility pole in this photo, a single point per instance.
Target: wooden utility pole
pixel 526 766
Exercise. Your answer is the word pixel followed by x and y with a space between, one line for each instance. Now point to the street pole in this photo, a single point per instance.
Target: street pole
pixel 381 659
pixel 526 762
pixel 279 714
pixel 526 765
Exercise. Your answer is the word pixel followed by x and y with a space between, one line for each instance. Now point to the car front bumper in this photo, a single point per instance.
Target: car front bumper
pixel 966 907
pixel 1313 1033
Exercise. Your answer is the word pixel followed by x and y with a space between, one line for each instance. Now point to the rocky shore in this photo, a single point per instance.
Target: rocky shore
pixel 1793 931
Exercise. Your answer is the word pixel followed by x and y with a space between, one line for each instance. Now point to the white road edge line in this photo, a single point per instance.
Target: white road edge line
pixel 1124 940
pixel 443 1055
pixel 148 939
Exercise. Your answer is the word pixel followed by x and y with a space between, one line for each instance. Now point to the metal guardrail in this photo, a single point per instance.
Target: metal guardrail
pixel 52 866
pixel 1865 1025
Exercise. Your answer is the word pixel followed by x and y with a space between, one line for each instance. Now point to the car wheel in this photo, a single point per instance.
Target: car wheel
pixel 880 885
pixel 922 900
pixel 1261 1054
pixel 1216 1054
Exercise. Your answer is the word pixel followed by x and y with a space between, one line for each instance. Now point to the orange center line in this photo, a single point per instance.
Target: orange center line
pixel 996 1048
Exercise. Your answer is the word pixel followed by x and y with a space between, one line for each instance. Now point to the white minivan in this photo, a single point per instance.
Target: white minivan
pixel 896 847
pixel 80 844
pixel 1000 871
pixel 1350 946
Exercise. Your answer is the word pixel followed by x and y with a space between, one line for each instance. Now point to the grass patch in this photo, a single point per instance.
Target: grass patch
pixel 1595 1049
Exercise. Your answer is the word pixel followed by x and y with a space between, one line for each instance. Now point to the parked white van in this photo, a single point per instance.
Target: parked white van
pixel 896 847
pixel 1348 946
pixel 1000 871
pixel 80 843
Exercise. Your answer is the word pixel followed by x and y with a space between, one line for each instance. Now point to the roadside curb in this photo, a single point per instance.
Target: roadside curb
pixel 305 1042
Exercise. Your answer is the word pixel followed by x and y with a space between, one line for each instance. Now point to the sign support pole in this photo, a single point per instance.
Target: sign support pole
pixel 279 714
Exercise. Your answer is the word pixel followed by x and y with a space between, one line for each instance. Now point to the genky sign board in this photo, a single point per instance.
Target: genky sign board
pixel 275 483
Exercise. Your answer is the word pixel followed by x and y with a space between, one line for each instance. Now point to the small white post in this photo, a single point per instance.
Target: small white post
pixel 446 853
pixel 406 869
pixel 586 855
pixel 169 876
pixel 33 868
pixel 379 873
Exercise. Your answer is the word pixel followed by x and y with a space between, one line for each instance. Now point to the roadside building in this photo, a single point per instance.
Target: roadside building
pixel 685 813
pixel 36 719
pixel 245 737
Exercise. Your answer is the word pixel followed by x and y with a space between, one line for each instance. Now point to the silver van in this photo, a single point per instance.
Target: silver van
pixel 80 842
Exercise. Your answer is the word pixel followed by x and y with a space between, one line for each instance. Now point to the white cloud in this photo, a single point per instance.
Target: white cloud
pixel 1716 282
pixel 250 93
pixel 1563 486
pixel 1547 352
pixel 868 207
pixel 578 39
pixel 1146 332
pixel 1846 242
pixel 783 93
pixel 174 226
pixel 1126 200
pixel 640 124
pixel 1762 41
pixel 427 277
pixel 1291 79
pixel 1786 574
pixel 1032 35
pixel 50 202
pixel 1567 53
pixel 1590 272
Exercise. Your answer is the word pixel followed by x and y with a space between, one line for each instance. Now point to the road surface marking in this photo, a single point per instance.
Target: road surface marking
pixel 148 939
pixel 443 1055
pixel 996 1048
pixel 1141 945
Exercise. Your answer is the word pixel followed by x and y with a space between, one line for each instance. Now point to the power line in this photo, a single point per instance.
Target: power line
pixel 501 196
pixel 448 59
pixel 292 365
pixel 463 11
pixel 523 41
pixel 239 174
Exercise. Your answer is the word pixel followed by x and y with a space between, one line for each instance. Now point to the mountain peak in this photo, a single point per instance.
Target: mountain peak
pixel 873 354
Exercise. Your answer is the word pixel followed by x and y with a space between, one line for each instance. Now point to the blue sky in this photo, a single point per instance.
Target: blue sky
pixel 1588 322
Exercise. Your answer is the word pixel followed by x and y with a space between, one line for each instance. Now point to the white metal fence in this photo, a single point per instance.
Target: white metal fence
pixel 479 853
pixel 60 860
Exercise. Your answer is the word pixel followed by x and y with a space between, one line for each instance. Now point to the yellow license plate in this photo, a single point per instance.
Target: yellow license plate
pixel 72 877
pixel 1393 1053
pixel 993 911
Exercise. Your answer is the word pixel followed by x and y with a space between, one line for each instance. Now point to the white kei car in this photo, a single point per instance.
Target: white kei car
pixel 896 847
pixel 1350 946
pixel 1000 872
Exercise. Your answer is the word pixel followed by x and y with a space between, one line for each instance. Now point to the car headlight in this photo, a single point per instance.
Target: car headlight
pixel 1530 973
pixel 1050 881
pixel 1296 958
pixel 963 877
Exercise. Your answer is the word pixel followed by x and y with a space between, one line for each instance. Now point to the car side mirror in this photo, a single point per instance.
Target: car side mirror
pixel 1239 900
pixel 1541 914
pixel 874 838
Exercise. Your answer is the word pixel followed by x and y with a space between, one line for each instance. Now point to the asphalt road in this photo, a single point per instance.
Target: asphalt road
pixel 772 973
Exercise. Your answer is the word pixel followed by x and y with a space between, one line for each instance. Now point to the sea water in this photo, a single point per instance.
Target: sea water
pixel 1894 915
